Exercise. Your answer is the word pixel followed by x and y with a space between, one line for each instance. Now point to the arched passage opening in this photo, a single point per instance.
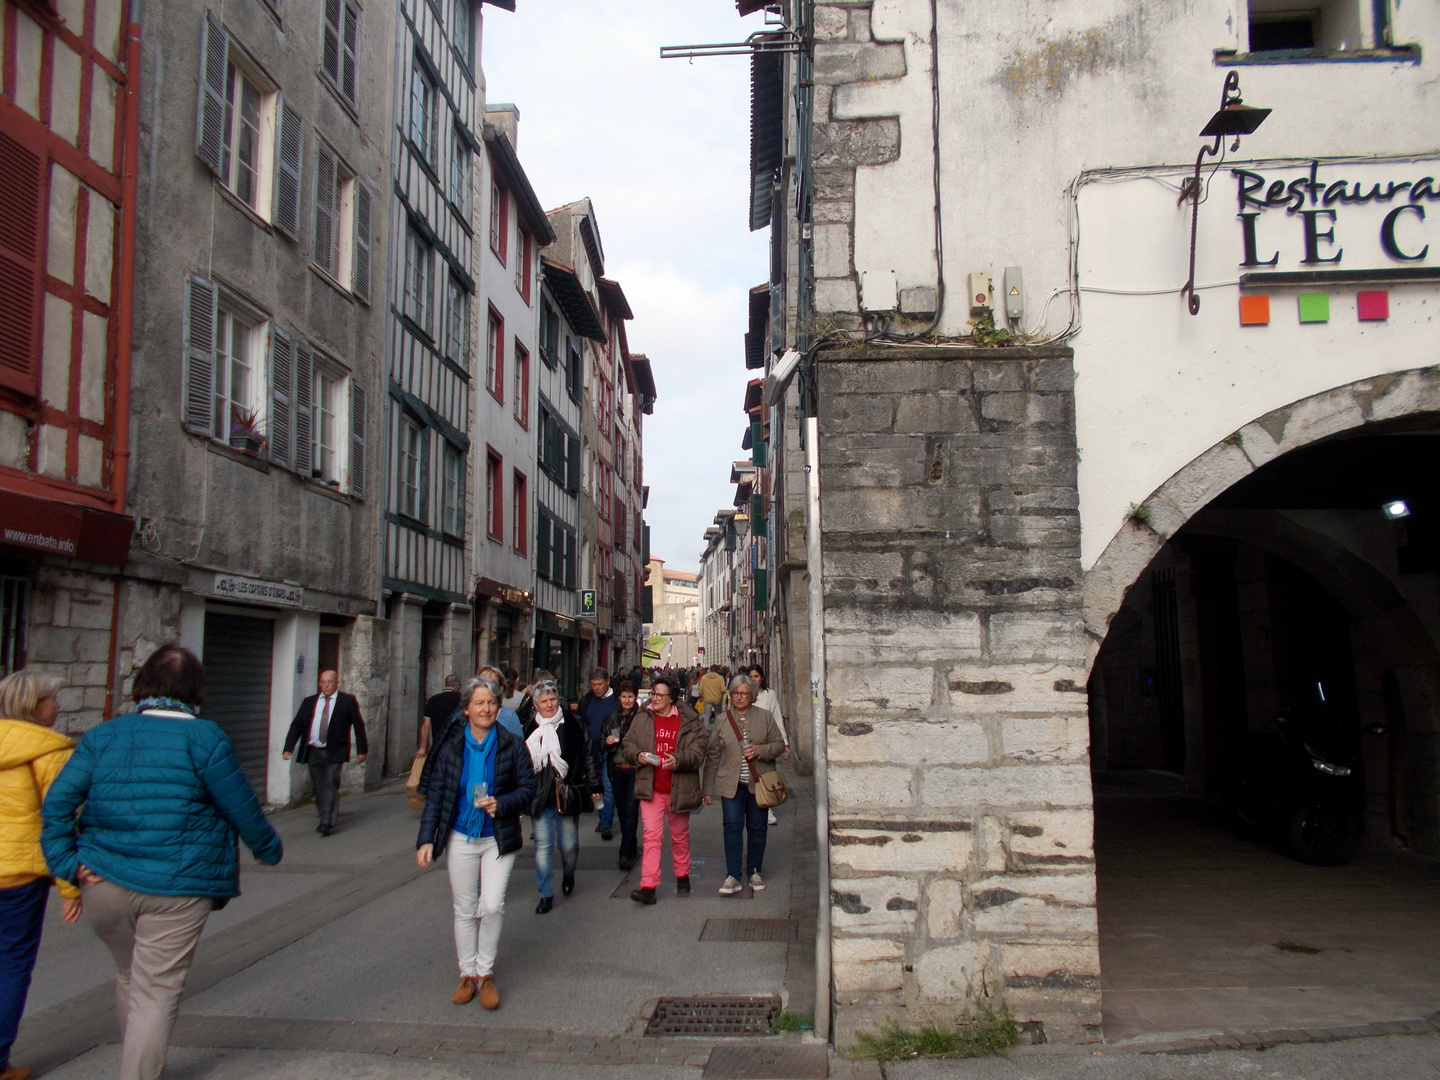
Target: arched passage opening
pixel 1265 640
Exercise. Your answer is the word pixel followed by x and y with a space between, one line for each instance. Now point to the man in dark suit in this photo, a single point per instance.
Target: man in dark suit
pixel 322 731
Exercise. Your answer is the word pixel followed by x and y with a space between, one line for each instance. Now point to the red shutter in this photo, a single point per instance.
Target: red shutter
pixel 20 221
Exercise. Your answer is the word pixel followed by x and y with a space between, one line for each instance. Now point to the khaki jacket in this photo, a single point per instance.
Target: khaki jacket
pixel 31 757
pixel 722 760
pixel 689 756
pixel 712 689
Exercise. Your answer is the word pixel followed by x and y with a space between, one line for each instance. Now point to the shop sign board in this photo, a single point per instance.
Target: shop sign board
pixel 255 591
pixel 587 603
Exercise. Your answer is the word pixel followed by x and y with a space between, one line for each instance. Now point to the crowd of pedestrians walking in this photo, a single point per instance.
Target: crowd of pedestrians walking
pixel 136 824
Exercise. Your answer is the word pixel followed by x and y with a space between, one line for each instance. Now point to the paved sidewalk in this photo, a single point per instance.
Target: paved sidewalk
pixel 346 946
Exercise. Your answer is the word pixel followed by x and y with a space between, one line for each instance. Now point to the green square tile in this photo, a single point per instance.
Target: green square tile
pixel 1314 307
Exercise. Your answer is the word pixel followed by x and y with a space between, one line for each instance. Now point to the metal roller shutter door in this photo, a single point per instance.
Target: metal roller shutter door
pixel 238 652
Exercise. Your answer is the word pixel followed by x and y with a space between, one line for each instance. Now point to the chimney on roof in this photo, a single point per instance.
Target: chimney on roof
pixel 506 117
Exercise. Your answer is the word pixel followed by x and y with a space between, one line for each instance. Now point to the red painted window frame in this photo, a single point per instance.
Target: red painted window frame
pixel 495 355
pixel 520 512
pixel 494 495
pixel 522 385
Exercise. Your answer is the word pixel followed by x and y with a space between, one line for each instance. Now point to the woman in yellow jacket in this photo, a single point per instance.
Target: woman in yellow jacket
pixel 31 756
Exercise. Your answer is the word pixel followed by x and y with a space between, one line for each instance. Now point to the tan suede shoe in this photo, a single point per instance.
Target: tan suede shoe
pixel 465 992
pixel 489 993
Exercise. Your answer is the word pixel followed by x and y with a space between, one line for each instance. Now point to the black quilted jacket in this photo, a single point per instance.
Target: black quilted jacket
pixel 440 783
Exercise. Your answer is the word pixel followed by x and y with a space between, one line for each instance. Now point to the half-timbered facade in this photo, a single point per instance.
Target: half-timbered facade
pixel 68 110
pixel 436 317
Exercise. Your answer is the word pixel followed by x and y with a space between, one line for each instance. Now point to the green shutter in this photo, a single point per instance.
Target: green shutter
pixel 758 446
pixel 759 522
pixel 761 589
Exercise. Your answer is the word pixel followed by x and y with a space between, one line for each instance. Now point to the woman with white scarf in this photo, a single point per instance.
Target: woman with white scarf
pixel 567 784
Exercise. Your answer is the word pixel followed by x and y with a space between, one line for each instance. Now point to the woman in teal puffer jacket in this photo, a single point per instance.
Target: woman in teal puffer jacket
pixel 154 853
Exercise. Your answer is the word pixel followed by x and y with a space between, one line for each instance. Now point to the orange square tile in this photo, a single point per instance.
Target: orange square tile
pixel 1254 310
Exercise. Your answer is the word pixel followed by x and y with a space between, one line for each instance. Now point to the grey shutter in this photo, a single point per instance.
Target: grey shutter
pixel 304 386
pixel 360 285
pixel 572 473
pixel 325 209
pixel 289 156
pixel 349 45
pixel 282 374
pixel 330 50
pixel 210 112
pixel 569 559
pixel 357 439
pixel 201 298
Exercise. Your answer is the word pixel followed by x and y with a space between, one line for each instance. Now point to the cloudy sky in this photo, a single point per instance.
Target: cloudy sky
pixel 663 149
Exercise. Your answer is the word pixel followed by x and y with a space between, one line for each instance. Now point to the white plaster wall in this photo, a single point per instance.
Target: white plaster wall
pixel 1155 387
pixel 495 423
pixel 1033 94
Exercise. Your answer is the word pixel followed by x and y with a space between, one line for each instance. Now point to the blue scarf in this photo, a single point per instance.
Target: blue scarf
pixel 167 703
pixel 479 768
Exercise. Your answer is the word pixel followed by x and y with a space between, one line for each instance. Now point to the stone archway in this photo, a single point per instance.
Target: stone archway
pixel 1191 489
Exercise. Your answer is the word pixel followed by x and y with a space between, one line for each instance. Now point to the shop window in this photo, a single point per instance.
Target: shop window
pixel 14 614
pixel 341 39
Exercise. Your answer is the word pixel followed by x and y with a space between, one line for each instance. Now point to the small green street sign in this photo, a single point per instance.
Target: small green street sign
pixel 587 603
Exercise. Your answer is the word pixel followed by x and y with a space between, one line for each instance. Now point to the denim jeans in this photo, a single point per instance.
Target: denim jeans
pixel 607 808
pixel 743 814
pixel 22 914
pixel 622 782
pixel 550 829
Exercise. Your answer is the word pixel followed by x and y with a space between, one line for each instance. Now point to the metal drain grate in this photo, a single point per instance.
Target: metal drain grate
pixel 749 930
pixel 713 1016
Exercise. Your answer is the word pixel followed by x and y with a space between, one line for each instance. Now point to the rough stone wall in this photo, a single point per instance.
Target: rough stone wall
pixel 365 662
pixel 960 799
pixel 68 638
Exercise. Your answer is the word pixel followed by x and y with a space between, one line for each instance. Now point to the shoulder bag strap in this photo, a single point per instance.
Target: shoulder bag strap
pixel 734 727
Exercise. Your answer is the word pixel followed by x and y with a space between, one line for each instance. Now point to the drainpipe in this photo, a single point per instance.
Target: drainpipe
pixel 125 317
pixel 818 721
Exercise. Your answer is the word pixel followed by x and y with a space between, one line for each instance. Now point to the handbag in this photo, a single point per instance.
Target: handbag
pixel 412 785
pixel 770 787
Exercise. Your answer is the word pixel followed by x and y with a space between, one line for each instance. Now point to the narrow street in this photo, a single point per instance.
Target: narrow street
pixel 345 949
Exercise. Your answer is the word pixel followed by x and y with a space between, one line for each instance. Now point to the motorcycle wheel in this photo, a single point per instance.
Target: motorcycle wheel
pixel 1323 835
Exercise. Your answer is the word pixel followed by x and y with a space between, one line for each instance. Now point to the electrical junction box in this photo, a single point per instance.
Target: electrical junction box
pixel 982 294
pixel 1014 294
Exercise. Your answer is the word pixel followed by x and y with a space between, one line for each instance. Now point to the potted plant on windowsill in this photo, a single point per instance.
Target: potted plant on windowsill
pixel 245 433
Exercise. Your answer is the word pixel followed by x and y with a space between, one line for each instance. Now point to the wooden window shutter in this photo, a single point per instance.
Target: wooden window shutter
pixel 201 299
pixel 282 376
pixel 20 232
pixel 289 161
pixel 569 559
pixel 210 112
pixel 325 209
pixel 304 388
pixel 360 286
pixel 572 473
pixel 350 42
pixel 357 439
pixel 330 50
pixel 542 545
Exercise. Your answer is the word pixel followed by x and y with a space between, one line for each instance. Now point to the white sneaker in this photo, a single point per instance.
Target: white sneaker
pixel 757 883
pixel 730 887
pixel 772 819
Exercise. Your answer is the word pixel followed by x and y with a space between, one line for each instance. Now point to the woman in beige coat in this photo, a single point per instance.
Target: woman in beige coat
pixel 743 744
